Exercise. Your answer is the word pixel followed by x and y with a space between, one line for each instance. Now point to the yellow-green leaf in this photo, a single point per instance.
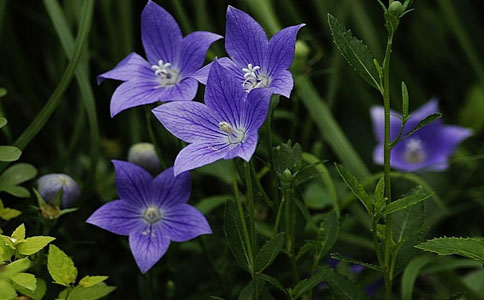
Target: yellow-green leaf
pixel 15 267
pixel 37 294
pixel 34 244
pixel 9 213
pixel 19 233
pixel 25 280
pixel 90 293
pixel 88 281
pixel 61 267
pixel 7 291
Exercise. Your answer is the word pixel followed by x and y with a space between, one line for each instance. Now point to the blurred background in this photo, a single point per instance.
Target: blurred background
pixel 438 52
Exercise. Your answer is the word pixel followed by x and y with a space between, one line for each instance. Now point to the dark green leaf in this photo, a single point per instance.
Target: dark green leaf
pixel 306 285
pixel 274 282
pixel 3 122
pixel 417 196
pixel 269 252
pixel 429 119
pixel 342 287
pixel 208 204
pixel 235 235
pixel 355 186
pixel 405 101
pixel 341 257
pixel 287 156
pixel 468 247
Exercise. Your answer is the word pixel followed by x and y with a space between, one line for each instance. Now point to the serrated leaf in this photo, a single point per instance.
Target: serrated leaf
pixel 341 257
pixel 37 294
pixel 429 119
pixel 88 281
pixel 342 287
pixel 380 189
pixel 34 244
pixel 355 186
pixel 91 293
pixel 355 52
pixel 9 153
pixel 6 248
pixel 269 252
pixel 9 213
pixel 417 196
pixel 405 100
pixel 15 267
pixel 3 122
pixel 61 267
pixel 25 280
pixel 235 236
pixel 7 292
pixel 274 282
pixel 306 285
pixel 468 247
pixel 19 233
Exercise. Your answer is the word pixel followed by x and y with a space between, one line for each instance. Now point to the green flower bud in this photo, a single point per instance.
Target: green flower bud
pixel 396 9
pixel 144 155
pixel 286 178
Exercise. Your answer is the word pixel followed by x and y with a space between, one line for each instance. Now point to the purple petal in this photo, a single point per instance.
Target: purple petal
pixel 148 246
pixel 194 48
pixel 160 34
pixel 170 190
pixel 256 108
pixel 282 83
pixel 131 67
pixel 281 49
pixel 136 93
pixel 202 74
pixel 378 155
pixel 377 114
pixel 245 40
pixel 199 154
pixel 184 222
pixel 432 106
pixel 452 136
pixel 224 94
pixel 133 183
pixel 188 121
pixel 119 217
pixel 246 149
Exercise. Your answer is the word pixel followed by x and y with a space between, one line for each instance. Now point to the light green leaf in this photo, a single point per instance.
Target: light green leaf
pixel 9 213
pixel 7 292
pixel 269 252
pixel 15 267
pixel 429 119
pixel 37 294
pixel 88 281
pixel 17 174
pixel 355 52
pixel 306 285
pixel 417 196
pixel 9 153
pixel 34 244
pixel 7 248
pixel 235 235
pixel 19 233
pixel 355 186
pixel 208 204
pixel 25 280
pixel 61 267
pixel 90 293
pixel 3 122
pixel 410 275
pixel 468 247
pixel 3 92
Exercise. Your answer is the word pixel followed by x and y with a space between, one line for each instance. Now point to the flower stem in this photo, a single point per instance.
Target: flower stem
pixel 253 236
pixel 275 196
pixel 287 194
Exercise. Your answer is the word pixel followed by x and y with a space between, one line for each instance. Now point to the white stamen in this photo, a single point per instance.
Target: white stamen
pixel 234 135
pixel 167 74
pixel 414 151
pixel 253 78
pixel 152 215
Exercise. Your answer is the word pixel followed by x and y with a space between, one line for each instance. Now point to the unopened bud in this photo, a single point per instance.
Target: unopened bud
pixel 144 155
pixel 396 9
pixel 50 185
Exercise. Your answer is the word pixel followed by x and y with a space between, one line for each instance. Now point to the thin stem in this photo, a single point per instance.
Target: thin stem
pixel 250 198
pixel 278 217
pixel 287 192
pixel 275 196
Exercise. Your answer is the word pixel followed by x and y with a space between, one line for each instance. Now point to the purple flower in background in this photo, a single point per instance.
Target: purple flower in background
pixel 255 61
pixel 172 60
pixel 428 148
pixel 152 212
pixel 224 127
pixel 50 185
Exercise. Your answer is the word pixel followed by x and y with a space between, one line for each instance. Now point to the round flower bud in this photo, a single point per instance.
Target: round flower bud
pixel 144 155
pixel 396 9
pixel 300 56
pixel 50 185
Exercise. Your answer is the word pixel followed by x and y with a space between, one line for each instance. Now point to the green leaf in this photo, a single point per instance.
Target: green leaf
pixel 274 282
pixel 417 196
pixel 25 280
pixel 34 244
pixel 470 114
pixel 9 213
pixel 19 233
pixel 61 267
pixel 468 247
pixel 7 292
pixel 7 248
pixel 308 284
pixel 380 189
pixel 287 156
pixel 342 287
pixel 331 228
pixel 15 175
pixel 429 119
pixel 15 267
pixel 3 122
pixel 410 275
pixel 9 153
pixel 91 293
pixel 3 92
pixel 269 252
pixel 206 205
pixel 88 281
pixel 405 101
pixel 37 294
pixel 235 235
pixel 355 186
pixel 355 52
pixel 341 257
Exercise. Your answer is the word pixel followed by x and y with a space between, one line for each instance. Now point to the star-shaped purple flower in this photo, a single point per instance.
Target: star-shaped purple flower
pixel 224 127
pixel 428 148
pixel 172 61
pixel 152 212
pixel 255 61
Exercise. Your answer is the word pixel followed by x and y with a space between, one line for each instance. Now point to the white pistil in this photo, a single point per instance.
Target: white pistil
pixel 414 151
pixel 167 74
pixel 234 136
pixel 254 78
pixel 152 215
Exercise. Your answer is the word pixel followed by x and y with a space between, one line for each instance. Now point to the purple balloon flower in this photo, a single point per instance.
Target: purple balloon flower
pixel 255 61
pixel 152 212
pixel 428 148
pixel 224 127
pixel 172 62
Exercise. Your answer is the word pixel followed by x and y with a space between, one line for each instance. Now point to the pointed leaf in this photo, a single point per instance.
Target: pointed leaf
pixel 355 186
pixel 429 119
pixel 350 260
pixel 308 284
pixel 235 235
pixel 468 247
pixel 61 267
pixel 37 294
pixel 91 293
pixel 410 275
pixel 417 196
pixel 269 252
pixel 19 233
pixel 25 280
pixel 3 122
pixel 15 267
pixel 88 281
pixel 405 101
pixel 9 213
pixel 343 288
pixel 274 282
pixel 7 291
pixel 34 244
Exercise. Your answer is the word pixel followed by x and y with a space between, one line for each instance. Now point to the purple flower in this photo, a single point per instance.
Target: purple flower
pixel 50 185
pixel 172 61
pixel 152 212
pixel 255 61
pixel 224 127
pixel 428 148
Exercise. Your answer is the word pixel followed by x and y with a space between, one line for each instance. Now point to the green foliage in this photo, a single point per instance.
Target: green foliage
pixel 61 267
pixel 470 112
pixel 235 235
pixel 269 252
pixel 308 284
pixel 34 244
pixel 342 287
pixel 9 153
pixel 287 157
pixel 472 248
pixel 355 187
pixel 341 257
pixel 428 119
pixel 16 175
pixel 410 274
pixel 415 197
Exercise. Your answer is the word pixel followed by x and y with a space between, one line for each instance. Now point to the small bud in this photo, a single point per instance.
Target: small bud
pixel 300 56
pixel 50 185
pixel 144 155
pixel 286 178
pixel 396 9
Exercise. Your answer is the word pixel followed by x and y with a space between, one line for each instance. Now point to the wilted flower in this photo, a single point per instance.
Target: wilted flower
pixel 256 61
pixel 428 148
pixel 224 127
pixel 144 155
pixel 172 60
pixel 50 185
pixel 151 211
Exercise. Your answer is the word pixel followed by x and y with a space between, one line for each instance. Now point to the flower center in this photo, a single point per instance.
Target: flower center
pixel 254 78
pixel 167 74
pixel 152 215
pixel 234 136
pixel 414 151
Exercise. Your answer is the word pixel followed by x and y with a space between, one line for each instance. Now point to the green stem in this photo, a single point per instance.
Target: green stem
pixel 287 192
pixel 278 217
pixel 253 236
pixel 270 151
